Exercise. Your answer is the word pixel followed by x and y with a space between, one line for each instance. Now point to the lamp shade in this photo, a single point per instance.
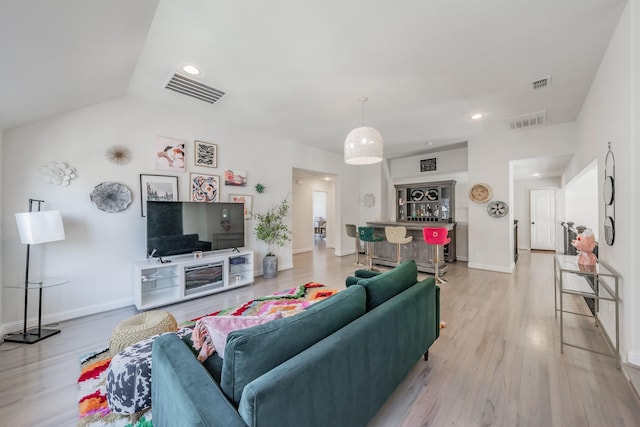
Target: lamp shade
pixel 40 227
pixel 363 146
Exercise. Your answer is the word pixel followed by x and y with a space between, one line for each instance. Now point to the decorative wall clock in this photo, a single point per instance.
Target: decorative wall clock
pixel 480 193
pixel 497 209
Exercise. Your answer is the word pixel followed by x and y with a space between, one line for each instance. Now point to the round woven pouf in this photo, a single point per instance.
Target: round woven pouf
pixel 140 327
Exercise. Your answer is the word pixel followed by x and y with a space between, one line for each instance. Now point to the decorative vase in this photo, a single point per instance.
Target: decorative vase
pixel 269 266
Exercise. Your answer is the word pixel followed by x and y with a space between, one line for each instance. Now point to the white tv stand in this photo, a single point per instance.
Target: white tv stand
pixel 186 277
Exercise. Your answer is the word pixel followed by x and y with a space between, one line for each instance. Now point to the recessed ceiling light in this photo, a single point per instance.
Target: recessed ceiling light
pixel 536 174
pixel 477 116
pixel 191 69
pixel 430 143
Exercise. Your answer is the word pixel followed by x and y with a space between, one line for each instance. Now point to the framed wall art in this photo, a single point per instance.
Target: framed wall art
pixel 205 188
pixel 163 188
pixel 206 154
pixel 428 165
pixel 248 203
pixel 169 154
pixel 235 178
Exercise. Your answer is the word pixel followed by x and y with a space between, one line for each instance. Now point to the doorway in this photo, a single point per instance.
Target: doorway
pixel 319 214
pixel 543 218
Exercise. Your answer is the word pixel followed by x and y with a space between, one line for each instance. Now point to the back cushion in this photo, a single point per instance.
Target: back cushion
pixel 390 283
pixel 254 351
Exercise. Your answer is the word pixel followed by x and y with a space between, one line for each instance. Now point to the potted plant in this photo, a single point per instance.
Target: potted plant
pixel 272 230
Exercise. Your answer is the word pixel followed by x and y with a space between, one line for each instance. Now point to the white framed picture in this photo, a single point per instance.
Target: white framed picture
pixel 163 188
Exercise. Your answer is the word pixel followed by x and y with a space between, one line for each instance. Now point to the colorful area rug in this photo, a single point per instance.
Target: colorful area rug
pixel 92 404
pixel 93 408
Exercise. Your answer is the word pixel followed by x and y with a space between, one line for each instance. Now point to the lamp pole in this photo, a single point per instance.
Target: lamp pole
pixel 26 274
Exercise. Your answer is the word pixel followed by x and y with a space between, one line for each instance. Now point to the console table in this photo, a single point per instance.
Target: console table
pixel 598 283
pixel 33 335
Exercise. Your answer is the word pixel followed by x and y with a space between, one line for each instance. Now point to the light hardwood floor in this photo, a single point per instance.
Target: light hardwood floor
pixel 497 363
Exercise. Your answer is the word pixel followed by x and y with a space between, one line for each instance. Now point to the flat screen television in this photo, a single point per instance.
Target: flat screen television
pixel 175 228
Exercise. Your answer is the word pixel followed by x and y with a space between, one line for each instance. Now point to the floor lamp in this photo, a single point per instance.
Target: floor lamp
pixel 35 227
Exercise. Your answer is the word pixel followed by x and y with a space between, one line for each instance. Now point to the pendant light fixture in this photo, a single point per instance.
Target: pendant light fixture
pixel 363 145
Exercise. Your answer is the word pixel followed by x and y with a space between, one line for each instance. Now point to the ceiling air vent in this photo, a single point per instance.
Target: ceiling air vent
pixel 194 89
pixel 541 83
pixel 527 121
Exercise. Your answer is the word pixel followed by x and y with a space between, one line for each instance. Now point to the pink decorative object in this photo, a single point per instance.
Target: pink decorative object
pixel 585 243
pixel 210 333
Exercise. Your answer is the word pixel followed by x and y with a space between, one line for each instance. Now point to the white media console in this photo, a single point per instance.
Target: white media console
pixel 186 277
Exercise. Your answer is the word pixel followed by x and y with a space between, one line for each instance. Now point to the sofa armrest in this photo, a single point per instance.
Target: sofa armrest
pixel 183 394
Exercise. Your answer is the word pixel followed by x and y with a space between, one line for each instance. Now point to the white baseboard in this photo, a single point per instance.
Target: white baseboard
pixel 490 268
pixel 462 258
pixel 634 357
pixel 17 325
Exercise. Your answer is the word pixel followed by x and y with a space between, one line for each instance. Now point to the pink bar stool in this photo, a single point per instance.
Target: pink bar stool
pixel 436 236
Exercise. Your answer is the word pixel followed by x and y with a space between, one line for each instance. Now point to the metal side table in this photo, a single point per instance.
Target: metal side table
pixel 33 335
pixel 598 283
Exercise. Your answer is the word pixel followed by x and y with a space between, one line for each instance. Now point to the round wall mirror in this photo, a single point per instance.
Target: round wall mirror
pixel 609 230
pixel 608 191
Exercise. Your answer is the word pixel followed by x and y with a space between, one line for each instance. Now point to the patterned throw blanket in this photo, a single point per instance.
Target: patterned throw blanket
pixel 93 408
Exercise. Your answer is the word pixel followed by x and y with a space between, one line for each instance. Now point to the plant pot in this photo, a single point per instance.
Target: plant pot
pixel 269 266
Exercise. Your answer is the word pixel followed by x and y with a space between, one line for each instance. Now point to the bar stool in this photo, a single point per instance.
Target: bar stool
pixel 436 236
pixel 352 231
pixel 397 235
pixel 366 235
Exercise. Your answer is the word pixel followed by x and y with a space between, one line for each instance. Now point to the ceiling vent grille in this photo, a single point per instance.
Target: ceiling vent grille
pixel 194 89
pixel 541 83
pixel 527 121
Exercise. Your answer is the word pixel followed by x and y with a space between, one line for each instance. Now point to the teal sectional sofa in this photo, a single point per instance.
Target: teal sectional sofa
pixel 333 365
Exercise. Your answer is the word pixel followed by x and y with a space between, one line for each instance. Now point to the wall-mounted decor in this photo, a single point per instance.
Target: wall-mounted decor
pixel 206 154
pixel 248 203
pixel 480 193
pixel 497 209
pixel 368 200
pixel 162 188
pixel 260 188
pixel 235 178
pixel 111 197
pixel 118 154
pixel 169 154
pixel 428 165
pixel 608 193
pixel 205 188
pixel 58 173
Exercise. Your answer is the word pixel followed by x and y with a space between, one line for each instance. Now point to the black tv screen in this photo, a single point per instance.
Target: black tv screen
pixel 175 228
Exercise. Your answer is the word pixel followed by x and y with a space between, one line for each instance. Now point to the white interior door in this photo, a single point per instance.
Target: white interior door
pixel 543 219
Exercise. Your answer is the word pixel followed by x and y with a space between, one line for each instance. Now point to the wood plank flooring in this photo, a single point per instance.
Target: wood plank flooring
pixel 497 363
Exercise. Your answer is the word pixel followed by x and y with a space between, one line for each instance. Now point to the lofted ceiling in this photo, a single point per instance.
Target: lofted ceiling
pixel 296 70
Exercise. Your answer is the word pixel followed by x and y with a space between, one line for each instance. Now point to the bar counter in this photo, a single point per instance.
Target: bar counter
pixel 417 249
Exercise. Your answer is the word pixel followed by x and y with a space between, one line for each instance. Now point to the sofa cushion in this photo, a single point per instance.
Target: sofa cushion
pixel 390 283
pixel 254 351
pixel 360 274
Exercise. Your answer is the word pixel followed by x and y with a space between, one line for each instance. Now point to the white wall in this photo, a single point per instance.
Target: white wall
pixel 522 206
pixel 490 154
pixel 99 248
pixel 581 199
pixel 1 231
pixel 611 113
